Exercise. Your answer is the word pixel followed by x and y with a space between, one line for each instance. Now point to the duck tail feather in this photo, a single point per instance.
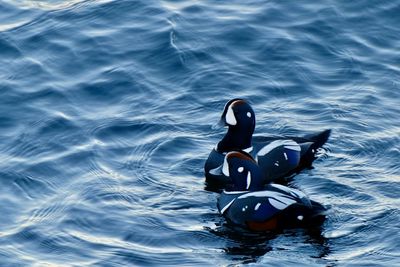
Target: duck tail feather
pixel 320 138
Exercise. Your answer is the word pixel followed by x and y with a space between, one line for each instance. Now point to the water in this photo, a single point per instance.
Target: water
pixel 106 114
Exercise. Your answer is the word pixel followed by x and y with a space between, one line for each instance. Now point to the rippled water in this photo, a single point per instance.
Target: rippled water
pixel 106 114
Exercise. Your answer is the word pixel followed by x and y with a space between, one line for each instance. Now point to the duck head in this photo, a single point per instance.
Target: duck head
pixel 243 171
pixel 240 119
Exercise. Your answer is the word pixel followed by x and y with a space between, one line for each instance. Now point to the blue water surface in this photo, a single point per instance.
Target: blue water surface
pixel 106 114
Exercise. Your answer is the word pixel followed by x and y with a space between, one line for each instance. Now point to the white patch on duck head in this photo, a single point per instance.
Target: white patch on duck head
pixel 240 169
pixel 225 167
pixel 248 150
pixel 230 116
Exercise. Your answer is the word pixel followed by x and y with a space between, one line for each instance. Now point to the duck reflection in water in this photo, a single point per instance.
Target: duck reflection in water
pixel 243 246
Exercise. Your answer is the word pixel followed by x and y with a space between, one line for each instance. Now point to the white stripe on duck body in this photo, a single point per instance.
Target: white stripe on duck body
pixel 277 156
pixel 254 206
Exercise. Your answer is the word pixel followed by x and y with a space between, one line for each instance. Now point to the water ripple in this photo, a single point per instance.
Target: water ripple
pixel 106 119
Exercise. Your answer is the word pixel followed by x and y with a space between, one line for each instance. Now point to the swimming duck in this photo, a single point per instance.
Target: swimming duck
pixel 277 156
pixel 254 206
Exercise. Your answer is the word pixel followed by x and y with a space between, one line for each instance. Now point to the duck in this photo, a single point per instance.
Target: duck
pixel 254 206
pixel 277 156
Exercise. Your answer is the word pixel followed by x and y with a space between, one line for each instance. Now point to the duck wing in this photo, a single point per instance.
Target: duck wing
pixel 278 158
pixel 258 206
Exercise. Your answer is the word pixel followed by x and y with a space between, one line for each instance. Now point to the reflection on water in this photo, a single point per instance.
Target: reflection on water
pixel 247 247
pixel 46 4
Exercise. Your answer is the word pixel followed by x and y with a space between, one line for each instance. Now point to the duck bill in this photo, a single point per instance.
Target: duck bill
pixel 220 124
pixel 217 171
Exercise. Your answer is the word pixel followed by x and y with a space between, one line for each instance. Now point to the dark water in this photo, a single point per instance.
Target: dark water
pixel 106 110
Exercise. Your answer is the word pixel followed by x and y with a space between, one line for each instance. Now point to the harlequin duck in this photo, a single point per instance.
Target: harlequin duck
pixel 277 156
pixel 257 207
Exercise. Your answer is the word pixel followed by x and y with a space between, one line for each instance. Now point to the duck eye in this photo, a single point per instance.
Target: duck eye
pixel 240 169
pixel 249 114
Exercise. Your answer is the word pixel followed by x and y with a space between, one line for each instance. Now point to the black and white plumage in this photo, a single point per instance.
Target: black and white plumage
pixel 253 206
pixel 277 156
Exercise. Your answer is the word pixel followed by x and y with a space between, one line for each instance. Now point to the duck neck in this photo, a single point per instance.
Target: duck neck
pixel 235 139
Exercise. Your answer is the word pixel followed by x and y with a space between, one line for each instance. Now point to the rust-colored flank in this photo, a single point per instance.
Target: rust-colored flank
pixel 271 224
